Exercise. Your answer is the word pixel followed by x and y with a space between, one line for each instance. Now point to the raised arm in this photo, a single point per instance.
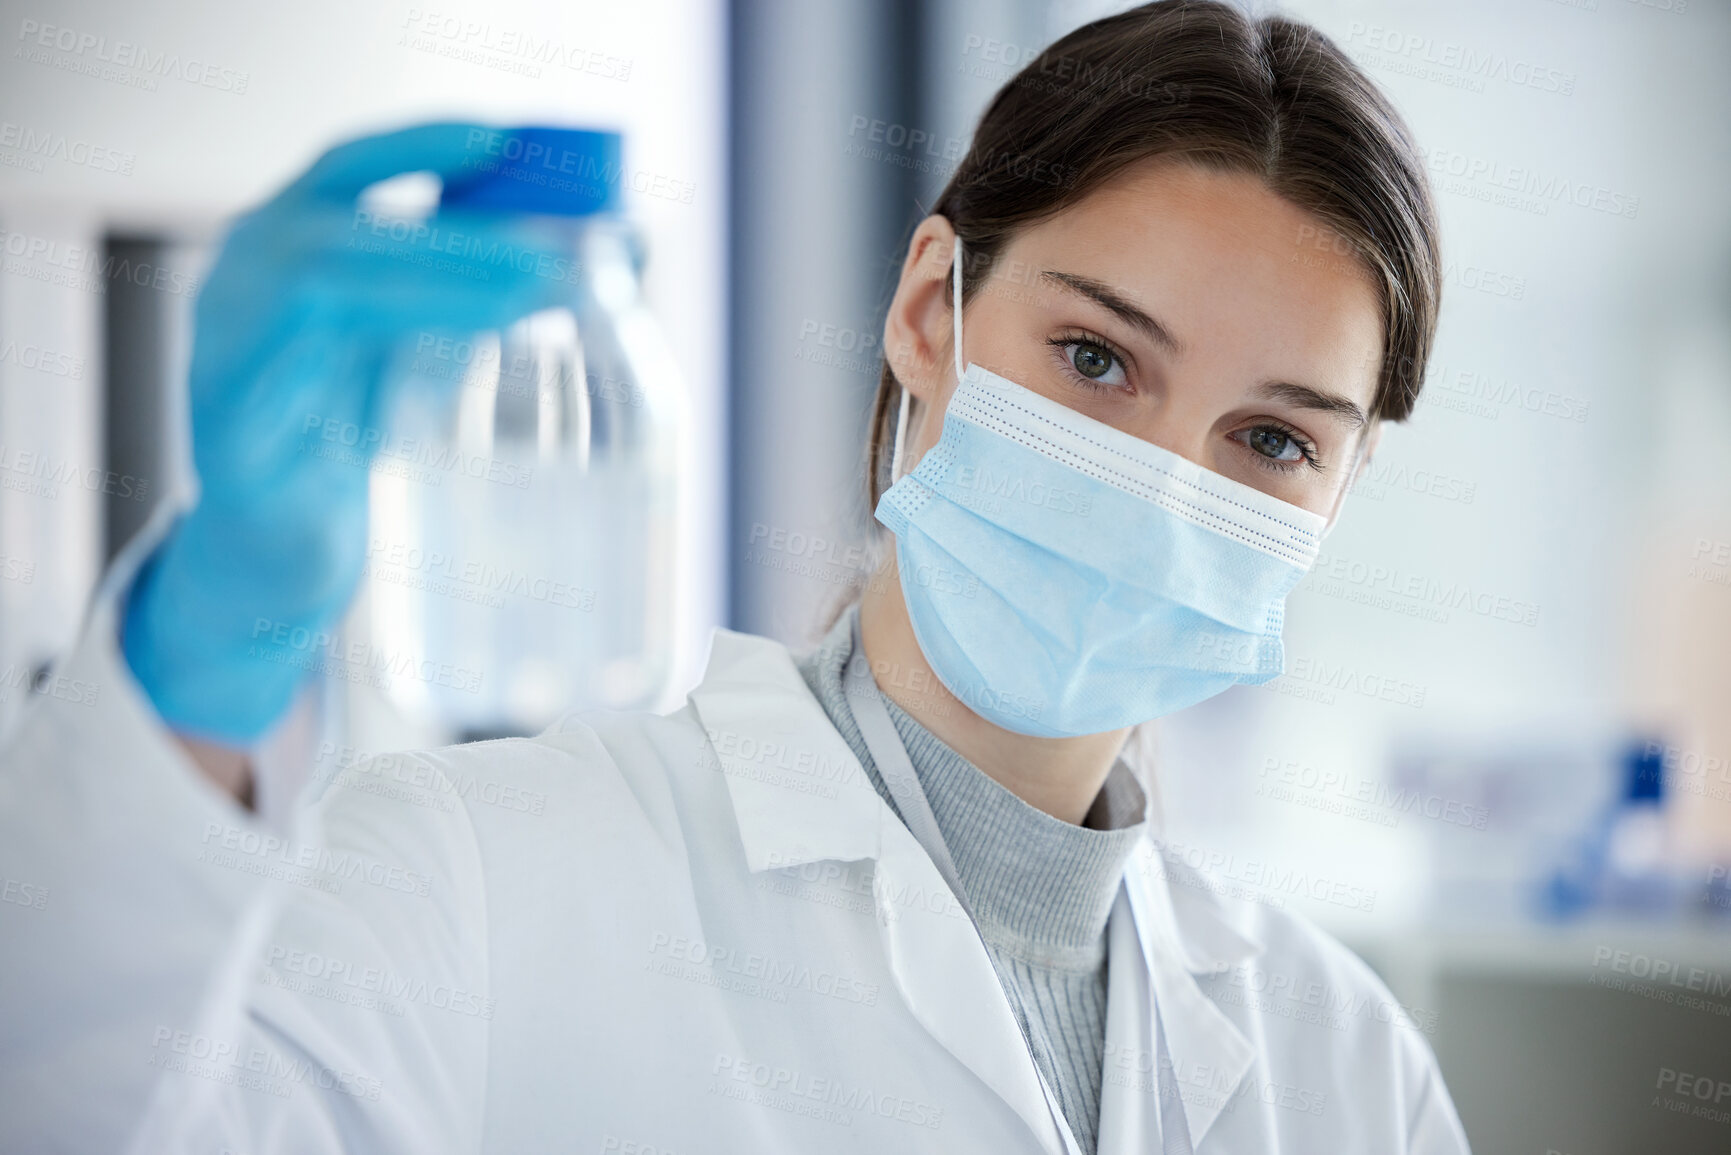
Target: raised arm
pixel 136 998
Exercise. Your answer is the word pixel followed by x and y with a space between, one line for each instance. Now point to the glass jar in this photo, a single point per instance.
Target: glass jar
pixel 521 560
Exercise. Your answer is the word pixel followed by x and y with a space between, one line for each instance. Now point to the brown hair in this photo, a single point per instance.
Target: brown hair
pixel 1200 80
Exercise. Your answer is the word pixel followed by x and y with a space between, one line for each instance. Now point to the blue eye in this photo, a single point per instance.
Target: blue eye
pixel 1277 447
pixel 1092 362
pixel 1275 443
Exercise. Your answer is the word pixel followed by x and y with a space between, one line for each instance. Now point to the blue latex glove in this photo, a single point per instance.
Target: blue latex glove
pixel 294 328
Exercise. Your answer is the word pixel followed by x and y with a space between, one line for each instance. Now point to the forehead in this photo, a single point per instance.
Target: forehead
pixel 1233 268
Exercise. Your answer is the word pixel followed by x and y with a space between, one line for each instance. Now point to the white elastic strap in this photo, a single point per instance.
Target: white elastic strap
pixel 902 415
pixel 1351 476
pixel 956 308
pixel 901 436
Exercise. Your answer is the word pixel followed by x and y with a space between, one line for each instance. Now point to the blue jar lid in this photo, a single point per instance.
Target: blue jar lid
pixel 570 172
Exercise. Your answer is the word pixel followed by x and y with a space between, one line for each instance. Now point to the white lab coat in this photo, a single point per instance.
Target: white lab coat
pixel 703 932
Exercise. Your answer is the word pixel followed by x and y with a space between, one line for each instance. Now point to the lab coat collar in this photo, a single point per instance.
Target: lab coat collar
pixel 799 795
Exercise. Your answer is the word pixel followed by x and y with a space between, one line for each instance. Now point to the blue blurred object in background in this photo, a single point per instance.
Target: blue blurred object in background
pixel 1619 861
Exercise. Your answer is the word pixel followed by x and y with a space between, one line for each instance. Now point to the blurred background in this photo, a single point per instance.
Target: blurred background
pixel 1499 764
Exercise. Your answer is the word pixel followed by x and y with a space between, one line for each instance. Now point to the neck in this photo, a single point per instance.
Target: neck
pixel 1061 776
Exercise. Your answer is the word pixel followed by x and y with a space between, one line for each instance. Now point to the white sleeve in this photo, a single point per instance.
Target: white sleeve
pixel 1433 1126
pixel 173 976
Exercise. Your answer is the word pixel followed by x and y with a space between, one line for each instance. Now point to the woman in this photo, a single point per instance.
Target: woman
pixel 902 893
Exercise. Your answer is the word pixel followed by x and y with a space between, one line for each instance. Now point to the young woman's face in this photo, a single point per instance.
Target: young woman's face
pixel 1192 308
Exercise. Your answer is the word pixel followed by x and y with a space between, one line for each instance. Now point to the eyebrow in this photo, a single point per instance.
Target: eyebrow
pixel 1120 306
pixel 1305 397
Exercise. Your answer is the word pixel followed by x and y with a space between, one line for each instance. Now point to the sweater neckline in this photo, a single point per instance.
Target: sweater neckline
pixel 1041 888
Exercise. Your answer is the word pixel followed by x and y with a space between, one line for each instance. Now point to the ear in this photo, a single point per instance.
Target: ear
pixel 917 329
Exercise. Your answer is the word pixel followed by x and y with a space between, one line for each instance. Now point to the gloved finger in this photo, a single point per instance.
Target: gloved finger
pixel 463 250
pixel 448 267
pixel 230 372
pixel 445 149
pixel 248 437
pixel 502 270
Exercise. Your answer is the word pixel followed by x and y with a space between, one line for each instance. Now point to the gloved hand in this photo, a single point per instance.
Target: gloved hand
pixel 294 329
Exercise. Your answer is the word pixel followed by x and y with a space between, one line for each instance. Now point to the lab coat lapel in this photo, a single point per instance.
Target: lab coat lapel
pixel 948 980
pixel 1170 935
pixel 767 729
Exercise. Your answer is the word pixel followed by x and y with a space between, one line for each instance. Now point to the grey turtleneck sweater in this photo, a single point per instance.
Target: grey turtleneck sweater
pixel 1041 888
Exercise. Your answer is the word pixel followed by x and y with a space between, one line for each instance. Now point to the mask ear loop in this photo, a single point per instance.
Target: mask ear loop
pixel 956 309
pixel 1351 476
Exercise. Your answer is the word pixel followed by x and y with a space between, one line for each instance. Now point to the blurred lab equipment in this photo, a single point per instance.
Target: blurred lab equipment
pixel 521 558
pixel 1620 861
pixel 238 606
pixel 1502 811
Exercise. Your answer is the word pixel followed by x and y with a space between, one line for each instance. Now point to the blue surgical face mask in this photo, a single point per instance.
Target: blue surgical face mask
pixel 1064 577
